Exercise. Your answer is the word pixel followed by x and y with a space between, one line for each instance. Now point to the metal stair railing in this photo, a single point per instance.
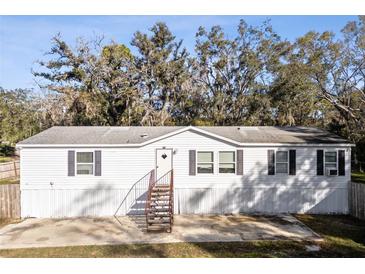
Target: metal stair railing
pixel 131 197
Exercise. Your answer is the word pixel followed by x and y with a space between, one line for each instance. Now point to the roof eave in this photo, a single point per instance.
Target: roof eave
pixel 141 145
pixel 202 131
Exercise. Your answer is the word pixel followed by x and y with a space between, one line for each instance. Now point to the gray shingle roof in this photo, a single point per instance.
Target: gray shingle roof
pixel 136 135
pixel 97 135
pixel 268 134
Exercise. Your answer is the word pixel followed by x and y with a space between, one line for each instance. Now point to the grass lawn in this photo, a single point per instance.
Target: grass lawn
pixel 358 177
pixel 9 181
pixel 4 159
pixel 344 236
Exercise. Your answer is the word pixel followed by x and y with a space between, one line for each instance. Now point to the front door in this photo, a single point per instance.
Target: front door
pixel 163 161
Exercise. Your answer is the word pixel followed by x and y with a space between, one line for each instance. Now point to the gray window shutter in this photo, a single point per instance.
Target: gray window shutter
pixel 341 163
pixel 292 162
pixel 239 162
pixel 320 164
pixel 97 162
pixel 271 162
pixel 192 162
pixel 71 163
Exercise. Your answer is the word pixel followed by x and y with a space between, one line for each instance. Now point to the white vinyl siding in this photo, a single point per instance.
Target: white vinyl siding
pixel 254 191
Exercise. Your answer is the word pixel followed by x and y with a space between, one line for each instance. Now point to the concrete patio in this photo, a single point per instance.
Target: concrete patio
pixel 126 230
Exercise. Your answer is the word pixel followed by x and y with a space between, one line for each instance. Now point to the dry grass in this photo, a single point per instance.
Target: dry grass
pixel 358 177
pixel 5 159
pixel 9 181
pixel 344 236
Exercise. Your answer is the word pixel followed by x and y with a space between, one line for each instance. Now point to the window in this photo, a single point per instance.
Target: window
pixel 85 163
pixel 330 159
pixel 227 163
pixel 205 162
pixel 282 162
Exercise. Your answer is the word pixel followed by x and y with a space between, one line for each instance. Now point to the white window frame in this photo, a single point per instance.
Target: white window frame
pixel 197 162
pixel 276 162
pixel 324 160
pixel 93 163
pixel 234 162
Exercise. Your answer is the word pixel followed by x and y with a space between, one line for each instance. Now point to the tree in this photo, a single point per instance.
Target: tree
pixel 18 116
pixel 96 87
pixel 162 75
pixel 336 71
pixel 293 95
pixel 233 71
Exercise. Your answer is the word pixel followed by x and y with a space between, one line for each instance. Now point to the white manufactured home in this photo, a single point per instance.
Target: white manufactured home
pixel 102 171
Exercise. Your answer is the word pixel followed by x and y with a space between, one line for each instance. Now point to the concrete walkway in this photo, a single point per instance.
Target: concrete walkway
pixel 125 230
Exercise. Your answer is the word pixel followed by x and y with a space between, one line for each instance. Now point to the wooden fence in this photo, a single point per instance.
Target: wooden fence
pixel 9 170
pixel 357 200
pixel 10 201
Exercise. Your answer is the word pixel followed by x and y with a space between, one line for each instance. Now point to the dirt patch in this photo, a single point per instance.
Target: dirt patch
pixel 7 221
pixel 276 219
pixel 42 239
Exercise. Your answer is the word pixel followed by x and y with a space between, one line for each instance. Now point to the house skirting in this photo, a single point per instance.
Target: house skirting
pixel 58 203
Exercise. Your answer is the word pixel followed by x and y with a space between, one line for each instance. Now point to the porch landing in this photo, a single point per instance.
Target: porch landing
pixel 123 230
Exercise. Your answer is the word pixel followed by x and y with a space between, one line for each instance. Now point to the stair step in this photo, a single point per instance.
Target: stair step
pixel 153 213
pixel 157 227
pixel 159 194
pixel 159 214
pixel 160 205
pixel 162 187
pixel 160 191
pixel 165 216
pixel 159 210
pixel 160 199
pixel 158 222
pixel 158 219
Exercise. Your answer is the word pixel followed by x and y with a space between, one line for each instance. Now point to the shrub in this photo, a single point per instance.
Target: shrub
pixel 6 150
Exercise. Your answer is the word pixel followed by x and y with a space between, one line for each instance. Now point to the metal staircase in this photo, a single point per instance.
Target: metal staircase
pixel 160 203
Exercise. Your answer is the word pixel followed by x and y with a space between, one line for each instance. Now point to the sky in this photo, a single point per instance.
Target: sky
pixel 25 39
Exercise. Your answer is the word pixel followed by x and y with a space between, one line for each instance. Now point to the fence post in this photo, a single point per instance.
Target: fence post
pixel 15 171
